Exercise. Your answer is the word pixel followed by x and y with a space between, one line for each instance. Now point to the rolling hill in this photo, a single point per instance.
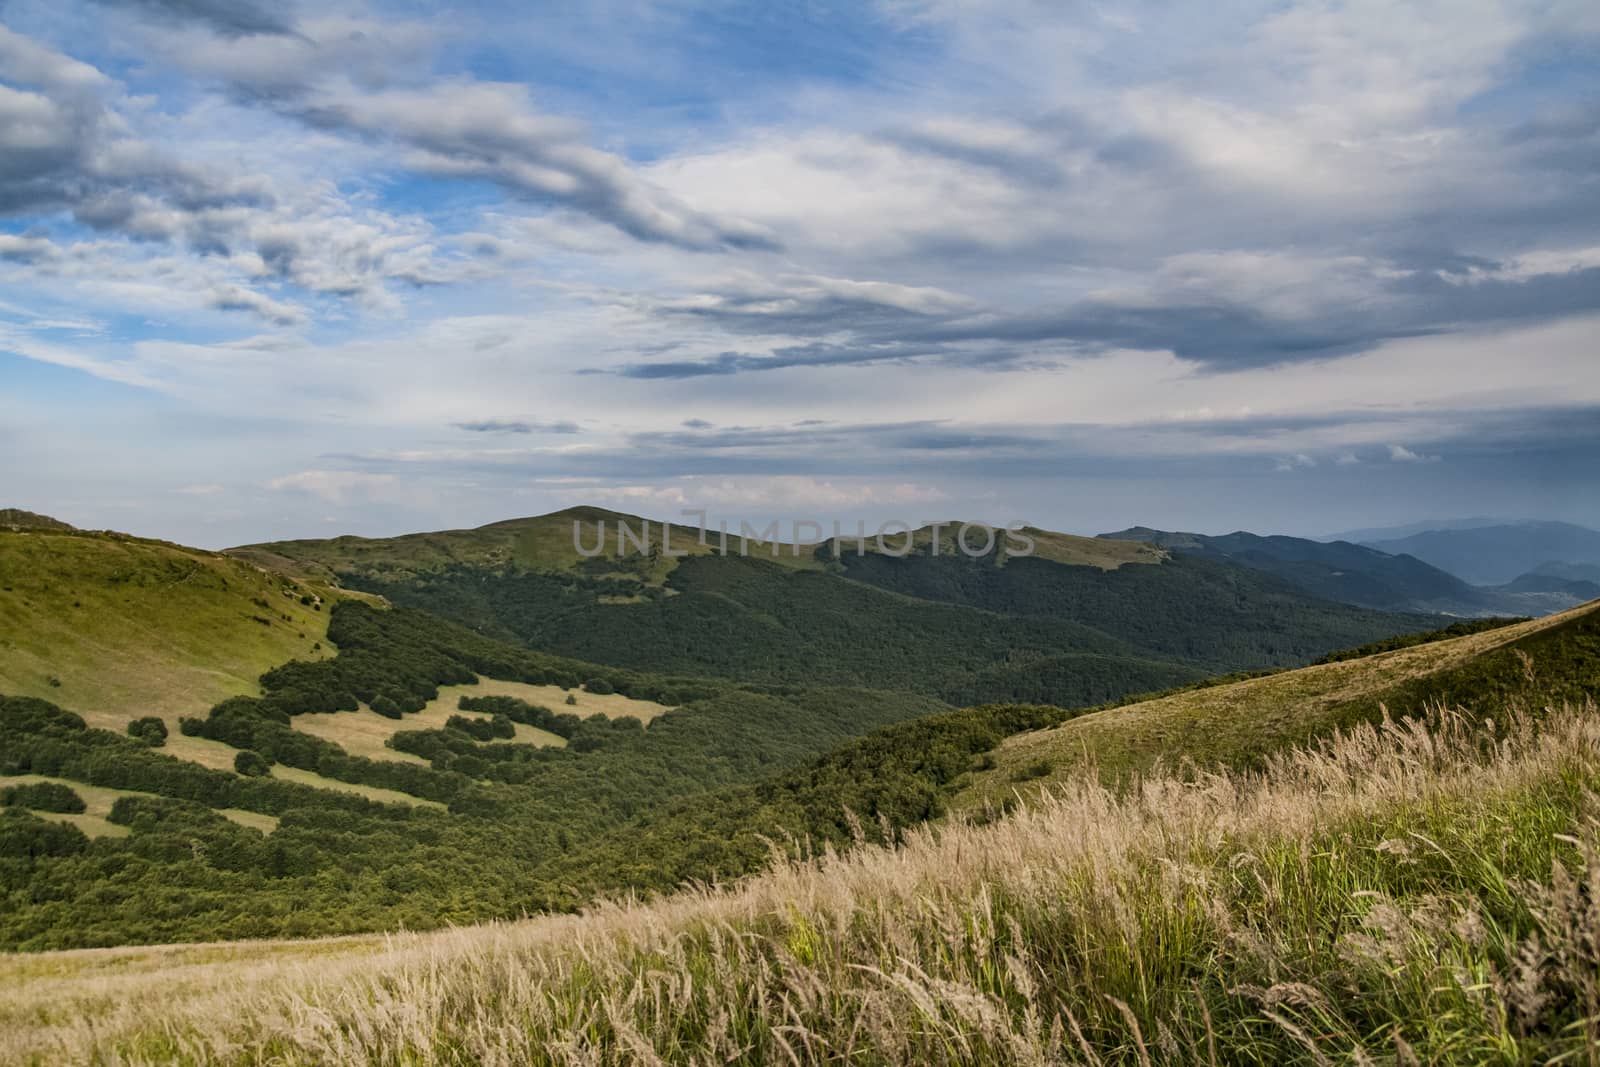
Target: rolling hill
pixel 1077 621
pixel 119 627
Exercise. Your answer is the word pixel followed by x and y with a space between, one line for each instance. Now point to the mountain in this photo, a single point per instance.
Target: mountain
pixel 1535 582
pixel 1495 555
pixel 423 774
pixel 1075 621
pixel 1578 572
pixel 1360 575
pixel 1390 533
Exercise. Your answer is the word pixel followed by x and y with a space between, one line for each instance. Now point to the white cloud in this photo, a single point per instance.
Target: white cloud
pixel 335 487
pixel 1402 454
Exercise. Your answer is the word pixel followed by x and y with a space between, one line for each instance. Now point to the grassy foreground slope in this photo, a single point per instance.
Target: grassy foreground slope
pixel 1419 893
pixel 1242 722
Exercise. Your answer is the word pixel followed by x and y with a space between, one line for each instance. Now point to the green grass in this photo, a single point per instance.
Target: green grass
pixel 545 543
pixel 118 627
pixel 1239 723
pixel 539 543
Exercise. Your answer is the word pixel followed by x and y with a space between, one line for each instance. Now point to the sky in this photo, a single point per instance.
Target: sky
pixel 279 270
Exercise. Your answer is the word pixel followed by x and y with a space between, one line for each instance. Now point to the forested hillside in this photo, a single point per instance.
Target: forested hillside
pixel 1078 622
pixel 339 862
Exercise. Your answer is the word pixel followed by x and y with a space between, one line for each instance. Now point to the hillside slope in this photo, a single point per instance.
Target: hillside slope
pixel 1238 724
pixel 1407 895
pixel 120 627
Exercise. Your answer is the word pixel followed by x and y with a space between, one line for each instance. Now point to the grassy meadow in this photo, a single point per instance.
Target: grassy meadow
pixel 120 627
pixel 1220 724
pixel 1422 891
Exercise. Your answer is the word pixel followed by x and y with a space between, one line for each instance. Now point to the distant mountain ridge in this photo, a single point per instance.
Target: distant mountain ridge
pixel 1365 575
pixel 1496 555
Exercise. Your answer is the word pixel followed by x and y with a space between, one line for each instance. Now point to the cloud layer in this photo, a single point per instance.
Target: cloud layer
pixel 660 248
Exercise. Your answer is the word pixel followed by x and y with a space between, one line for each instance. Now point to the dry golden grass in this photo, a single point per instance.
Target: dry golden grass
pixel 1106 554
pixel 1224 718
pixel 371 792
pixel 366 733
pixel 1365 900
pixel 611 705
pixel 98 799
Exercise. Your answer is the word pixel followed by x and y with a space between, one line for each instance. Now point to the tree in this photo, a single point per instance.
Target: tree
pixel 150 729
pixel 386 707
pixel 42 796
pixel 251 764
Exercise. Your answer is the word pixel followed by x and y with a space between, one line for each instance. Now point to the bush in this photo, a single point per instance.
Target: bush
pixel 26 837
pixel 386 707
pixel 599 686
pixel 572 699
pixel 150 729
pixel 42 796
pixel 251 764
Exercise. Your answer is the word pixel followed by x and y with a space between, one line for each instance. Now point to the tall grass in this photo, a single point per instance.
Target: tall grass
pixel 1423 891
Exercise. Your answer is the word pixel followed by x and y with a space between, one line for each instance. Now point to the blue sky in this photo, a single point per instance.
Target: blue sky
pixel 278 270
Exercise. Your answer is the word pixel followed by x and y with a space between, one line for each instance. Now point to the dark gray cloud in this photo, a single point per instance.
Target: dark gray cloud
pixel 1436 294
pixel 1462 441
pixel 516 426
pixel 229 17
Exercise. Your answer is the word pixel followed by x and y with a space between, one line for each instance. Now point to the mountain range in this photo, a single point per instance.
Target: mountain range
pixel 1501 553
pixel 1396 580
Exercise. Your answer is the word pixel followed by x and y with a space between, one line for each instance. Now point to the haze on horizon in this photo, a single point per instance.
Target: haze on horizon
pixel 289 270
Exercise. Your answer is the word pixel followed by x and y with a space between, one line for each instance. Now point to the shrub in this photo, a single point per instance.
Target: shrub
pixel 599 686
pixel 572 699
pixel 386 707
pixel 150 729
pixel 251 764
pixel 42 796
